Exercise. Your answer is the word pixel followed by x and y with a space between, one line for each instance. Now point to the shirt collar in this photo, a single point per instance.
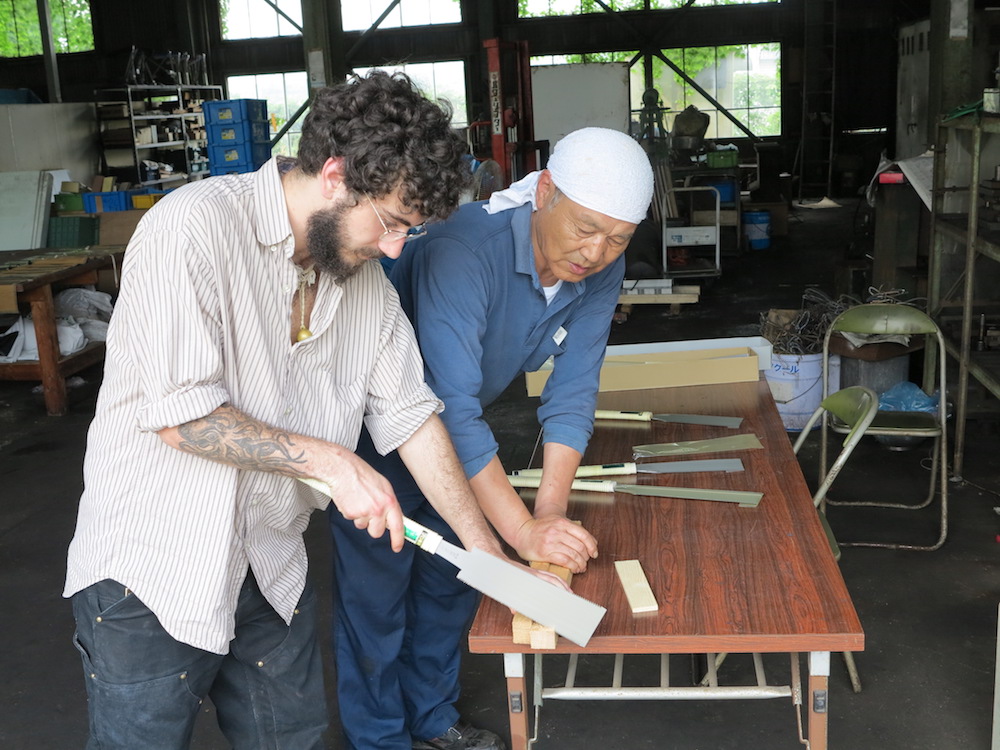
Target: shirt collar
pixel 524 254
pixel 272 226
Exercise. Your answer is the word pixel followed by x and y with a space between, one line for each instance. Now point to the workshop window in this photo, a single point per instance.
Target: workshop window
pixel 21 33
pixel 285 93
pixel 359 15
pixel 539 8
pixel 256 19
pixel 743 78
pixel 437 80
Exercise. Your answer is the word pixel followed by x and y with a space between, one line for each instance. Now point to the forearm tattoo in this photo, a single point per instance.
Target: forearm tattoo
pixel 234 438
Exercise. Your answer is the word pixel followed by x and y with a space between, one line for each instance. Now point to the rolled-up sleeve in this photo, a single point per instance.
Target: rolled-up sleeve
pixel 171 291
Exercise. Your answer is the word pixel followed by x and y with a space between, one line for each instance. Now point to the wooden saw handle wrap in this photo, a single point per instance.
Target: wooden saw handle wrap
pixel 591 470
pixel 588 485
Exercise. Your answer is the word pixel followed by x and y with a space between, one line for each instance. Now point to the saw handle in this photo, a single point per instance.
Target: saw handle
pixel 592 470
pixel 588 485
pixel 413 532
pixel 632 416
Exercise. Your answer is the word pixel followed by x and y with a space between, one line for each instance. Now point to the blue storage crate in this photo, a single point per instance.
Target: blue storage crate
pixel 235 110
pixel 244 131
pixel 116 200
pixel 239 153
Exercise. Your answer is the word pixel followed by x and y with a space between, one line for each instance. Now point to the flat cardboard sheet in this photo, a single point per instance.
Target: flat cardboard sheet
pixel 632 371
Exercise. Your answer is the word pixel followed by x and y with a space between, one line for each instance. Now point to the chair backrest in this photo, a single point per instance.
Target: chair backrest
pixel 884 318
pixel 856 406
pixel 892 319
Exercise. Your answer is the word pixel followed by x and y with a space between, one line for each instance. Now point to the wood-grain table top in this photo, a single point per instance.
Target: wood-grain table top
pixel 726 578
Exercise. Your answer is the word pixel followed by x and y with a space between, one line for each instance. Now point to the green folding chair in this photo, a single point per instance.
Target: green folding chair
pixel 890 319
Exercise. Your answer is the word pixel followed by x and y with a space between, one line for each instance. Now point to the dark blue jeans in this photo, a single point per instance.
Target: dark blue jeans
pixel 145 689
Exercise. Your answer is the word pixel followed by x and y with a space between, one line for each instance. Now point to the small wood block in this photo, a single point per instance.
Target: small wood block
pixel 542 638
pixel 637 591
pixel 526 631
pixel 520 628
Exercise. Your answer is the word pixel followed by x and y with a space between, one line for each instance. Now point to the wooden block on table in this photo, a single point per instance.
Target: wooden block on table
pixel 526 631
pixel 520 628
pixel 637 591
pixel 542 638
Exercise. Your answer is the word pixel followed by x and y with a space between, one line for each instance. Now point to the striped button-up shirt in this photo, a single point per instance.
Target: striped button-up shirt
pixel 203 319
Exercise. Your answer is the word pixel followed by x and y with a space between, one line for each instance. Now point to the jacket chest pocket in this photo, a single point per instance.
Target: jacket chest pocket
pixel 552 344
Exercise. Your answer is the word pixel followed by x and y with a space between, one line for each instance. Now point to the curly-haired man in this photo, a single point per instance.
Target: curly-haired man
pixel 253 334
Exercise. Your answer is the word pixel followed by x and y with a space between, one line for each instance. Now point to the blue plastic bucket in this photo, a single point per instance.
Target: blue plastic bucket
pixel 757 228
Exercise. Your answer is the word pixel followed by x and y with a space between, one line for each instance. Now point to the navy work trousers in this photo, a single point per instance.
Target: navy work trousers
pixel 399 622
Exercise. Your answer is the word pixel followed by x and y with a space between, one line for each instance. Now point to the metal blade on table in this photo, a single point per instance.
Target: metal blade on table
pixel 685 467
pixel 744 499
pixel 746 441
pixel 666 467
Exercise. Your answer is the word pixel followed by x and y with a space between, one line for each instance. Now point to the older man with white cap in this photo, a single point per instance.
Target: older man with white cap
pixel 492 292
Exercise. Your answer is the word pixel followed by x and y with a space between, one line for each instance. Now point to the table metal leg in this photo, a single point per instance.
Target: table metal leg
pixel 819 678
pixel 517 703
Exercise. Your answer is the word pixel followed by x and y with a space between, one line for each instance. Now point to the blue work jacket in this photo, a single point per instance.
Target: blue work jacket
pixel 471 290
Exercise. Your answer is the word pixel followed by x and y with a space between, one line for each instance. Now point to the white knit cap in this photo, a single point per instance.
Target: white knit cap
pixel 600 169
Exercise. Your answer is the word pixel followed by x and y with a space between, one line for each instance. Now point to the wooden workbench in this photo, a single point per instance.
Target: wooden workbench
pixel 727 578
pixel 27 280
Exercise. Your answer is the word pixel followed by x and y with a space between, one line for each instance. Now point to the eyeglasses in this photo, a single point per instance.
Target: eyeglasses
pixel 395 235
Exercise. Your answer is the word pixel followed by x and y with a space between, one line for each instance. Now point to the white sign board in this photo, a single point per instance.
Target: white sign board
pixel 569 97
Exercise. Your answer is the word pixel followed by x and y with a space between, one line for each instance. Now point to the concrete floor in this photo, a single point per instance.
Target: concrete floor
pixel 930 618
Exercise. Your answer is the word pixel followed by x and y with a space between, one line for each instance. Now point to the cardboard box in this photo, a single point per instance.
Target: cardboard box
pixel 117 226
pixel 666 369
pixel 760 345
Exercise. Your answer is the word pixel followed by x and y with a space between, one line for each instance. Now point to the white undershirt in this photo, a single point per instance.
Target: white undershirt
pixel 551 291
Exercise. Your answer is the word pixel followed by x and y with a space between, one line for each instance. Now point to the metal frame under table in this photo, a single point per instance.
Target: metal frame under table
pixel 727 579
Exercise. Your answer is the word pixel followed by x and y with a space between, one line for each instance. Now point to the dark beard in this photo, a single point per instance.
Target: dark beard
pixel 326 243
